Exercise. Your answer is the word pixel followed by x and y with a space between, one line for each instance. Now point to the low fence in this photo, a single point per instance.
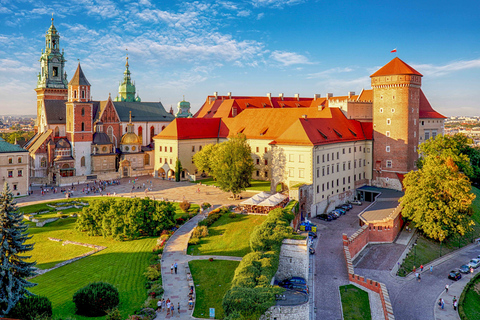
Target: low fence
pixel 369 284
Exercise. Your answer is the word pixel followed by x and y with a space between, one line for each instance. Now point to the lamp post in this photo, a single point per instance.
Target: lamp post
pixel 441 241
pixel 415 253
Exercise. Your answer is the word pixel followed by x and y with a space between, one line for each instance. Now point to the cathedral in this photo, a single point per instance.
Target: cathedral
pixel 77 138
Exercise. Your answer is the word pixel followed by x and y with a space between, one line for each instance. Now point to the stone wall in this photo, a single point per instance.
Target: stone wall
pixel 287 312
pixel 293 259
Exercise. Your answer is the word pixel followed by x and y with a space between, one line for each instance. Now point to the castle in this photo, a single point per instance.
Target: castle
pixel 78 138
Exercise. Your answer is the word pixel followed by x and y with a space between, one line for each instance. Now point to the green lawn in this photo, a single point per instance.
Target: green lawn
pixel 428 250
pixel 256 185
pixel 355 303
pixel 469 307
pixel 228 237
pixel 212 280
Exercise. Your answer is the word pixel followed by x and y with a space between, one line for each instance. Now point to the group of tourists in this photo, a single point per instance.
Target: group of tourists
pixel 168 306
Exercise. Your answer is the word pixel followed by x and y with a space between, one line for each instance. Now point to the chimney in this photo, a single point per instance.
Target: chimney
pixel 329 95
pixel 316 96
pixel 269 95
pixel 229 95
pixel 215 94
pixel 351 93
pixel 304 116
pixel 297 95
pixel 281 96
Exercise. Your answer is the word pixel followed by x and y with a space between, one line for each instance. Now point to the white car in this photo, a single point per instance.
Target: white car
pixel 474 263
pixel 357 202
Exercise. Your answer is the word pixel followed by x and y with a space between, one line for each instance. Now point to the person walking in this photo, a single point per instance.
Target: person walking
pixel 178 308
pixel 421 268
pixel 416 275
pixel 159 306
pixel 455 304
pixel 419 278
pixel 431 269
pixel 443 303
pixel 171 269
pixel 163 304
pixel 173 308
pixel 175 266
pixel 446 289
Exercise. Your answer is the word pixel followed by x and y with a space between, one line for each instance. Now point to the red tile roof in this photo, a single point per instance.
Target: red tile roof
pixel 194 128
pixel 318 131
pixel 426 111
pixel 365 95
pixel 396 66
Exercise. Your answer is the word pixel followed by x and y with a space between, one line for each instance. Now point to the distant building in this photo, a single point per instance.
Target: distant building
pixel 14 167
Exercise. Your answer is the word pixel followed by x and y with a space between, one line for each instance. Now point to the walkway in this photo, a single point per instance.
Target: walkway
pixel 176 285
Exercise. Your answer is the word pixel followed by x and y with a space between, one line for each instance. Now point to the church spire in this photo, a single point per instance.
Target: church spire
pixel 126 90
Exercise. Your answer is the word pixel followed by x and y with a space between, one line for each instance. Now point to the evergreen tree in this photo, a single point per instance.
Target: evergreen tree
pixel 13 267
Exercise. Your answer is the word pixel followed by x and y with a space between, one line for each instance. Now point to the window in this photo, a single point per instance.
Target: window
pixel 414 134
pixel 54 69
pixel 415 122
pixel 427 134
pixel 20 173
pixel 82 162
pixel 328 170
pixel 393 109
pixel 318 159
pixel 10 160
pixel 360 148
pixel 387 148
pixel 10 173
pixel 323 171
pixel 323 186
pixel 301 173
pixel 381 110
pixel 338 155
pixel 338 167
pixel 301 158
pixel 337 183
pixel 318 173
pixel 266 149
pixel 387 133
pixel 83 109
pixel 83 94
pixel 344 166
pixel 290 158
pixel 127 148
pixel 389 163
pixel 258 161
pixel 15 187
pixel 333 168
pixel 343 181
pixel 364 162
pixel 146 159
pixel 83 126
pixel 266 162
pixel 328 185
pixel 354 149
pixel 104 149
pixel 200 148
pixel 258 173
pixel 170 161
pixel 343 150
pixel 349 150
pixel 160 147
pixel 75 94
pixel 323 158
pixel 434 133
pixel 348 179
pixel 171 149
pixel 368 150
pixel 359 163
pixel 328 156
pixel 349 165
pixel 423 123
pixel 389 121
pixel 318 189
pixel 266 174
pixel 133 149
pixel 166 160
pixel 193 149
pixel 19 160
pixel 257 149
pixel 43 163
pixel 291 172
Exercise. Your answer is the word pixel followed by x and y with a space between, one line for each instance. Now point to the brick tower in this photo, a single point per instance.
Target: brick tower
pixel 52 78
pixel 80 121
pixel 396 97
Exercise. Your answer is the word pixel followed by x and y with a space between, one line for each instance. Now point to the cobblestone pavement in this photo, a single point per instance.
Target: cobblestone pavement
pixel 330 267
pixel 170 190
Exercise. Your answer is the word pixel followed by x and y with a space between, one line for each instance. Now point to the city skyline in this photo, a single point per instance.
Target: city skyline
pixel 193 49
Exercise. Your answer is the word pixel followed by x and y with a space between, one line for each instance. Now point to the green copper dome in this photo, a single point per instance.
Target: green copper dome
pixel 126 89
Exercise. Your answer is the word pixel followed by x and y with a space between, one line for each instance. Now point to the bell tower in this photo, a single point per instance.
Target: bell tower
pixel 52 78
pixel 396 101
pixel 126 89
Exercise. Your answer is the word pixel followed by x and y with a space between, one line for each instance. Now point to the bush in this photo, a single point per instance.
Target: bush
pixel 185 205
pixel 31 308
pixel 206 205
pixel 179 221
pixel 95 299
pixel 156 290
pixel 147 313
pixel 200 232
pixel 193 212
pixel 114 314
pixel 193 241
pixel 232 215
pixel 210 259
pixel 153 272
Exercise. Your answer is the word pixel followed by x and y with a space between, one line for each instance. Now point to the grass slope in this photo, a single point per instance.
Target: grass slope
pixel 355 303
pixel 212 280
pixel 469 308
pixel 228 237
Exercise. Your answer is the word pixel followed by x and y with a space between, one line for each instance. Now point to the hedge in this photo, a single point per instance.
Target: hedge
pixel 461 301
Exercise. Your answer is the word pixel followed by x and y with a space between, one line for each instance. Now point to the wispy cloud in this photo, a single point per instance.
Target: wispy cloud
pixel 289 58
pixel 433 70
pixel 275 3
pixel 329 72
pixel 15 66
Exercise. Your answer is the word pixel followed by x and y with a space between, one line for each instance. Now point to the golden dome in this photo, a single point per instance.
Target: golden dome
pixel 130 138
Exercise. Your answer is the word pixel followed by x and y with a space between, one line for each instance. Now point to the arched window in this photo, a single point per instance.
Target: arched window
pixel 75 94
pixel 152 133
pixel 82 162
pixel 57 132
pixel 126 129
pixel 140 132
pixel 110 133
pixel 83 126
pixel 83 97
pixel 147 159
pixel 83 109
pixel 163 127
pixel 43 163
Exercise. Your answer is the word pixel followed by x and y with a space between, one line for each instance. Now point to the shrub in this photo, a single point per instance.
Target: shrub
pixel 179 221
pixel 185 205
pixel 31 308
pixel 147 313
pixel 156 290
pixel 153 272
pixel 114 314
pixel 200 232
pixel 232 215
pixel 206 205
pixel 193 241
pixel 95 299
pixel 151 303
pixel 193 212
pixel 210 259
pixel 185 217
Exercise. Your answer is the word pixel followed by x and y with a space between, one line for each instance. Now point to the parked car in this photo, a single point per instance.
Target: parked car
pixel 312 234
pixel 292 280
pixel 356 202
pixel 325 217
pixel 341 211
pixel 349 205
pixel 454 275
pixel 474 263
pixel 311 250
pixel 336 214
pixel 345 207
pixel 332 216
pixel 464 269
pixel 300 287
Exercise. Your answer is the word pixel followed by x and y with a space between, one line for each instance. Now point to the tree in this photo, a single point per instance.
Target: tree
pixel 203 158
pixel 232 164
pixel 13 267
pixel 438 198
pixel 178 170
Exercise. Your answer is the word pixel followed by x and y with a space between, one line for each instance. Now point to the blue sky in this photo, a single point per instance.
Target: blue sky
pixel 251 47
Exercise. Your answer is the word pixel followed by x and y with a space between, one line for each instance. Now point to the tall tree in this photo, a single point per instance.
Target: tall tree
pixel 178 170
pixel 232 164
pixel 438 198
pixel 203 158
pixel 13 267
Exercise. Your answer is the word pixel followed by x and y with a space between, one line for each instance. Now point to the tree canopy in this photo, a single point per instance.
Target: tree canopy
pixel 438 196
pixel 13 268
pixel 229 163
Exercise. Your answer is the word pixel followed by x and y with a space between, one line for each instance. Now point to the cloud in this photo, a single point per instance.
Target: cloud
pixel 275 3
pixel 432 70
pixel 102 8
pixel 243 13
pixel 328 72
pixel 15 66
pixel 289 58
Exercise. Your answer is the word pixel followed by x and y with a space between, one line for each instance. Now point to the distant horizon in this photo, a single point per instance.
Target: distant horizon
pixel 247 47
